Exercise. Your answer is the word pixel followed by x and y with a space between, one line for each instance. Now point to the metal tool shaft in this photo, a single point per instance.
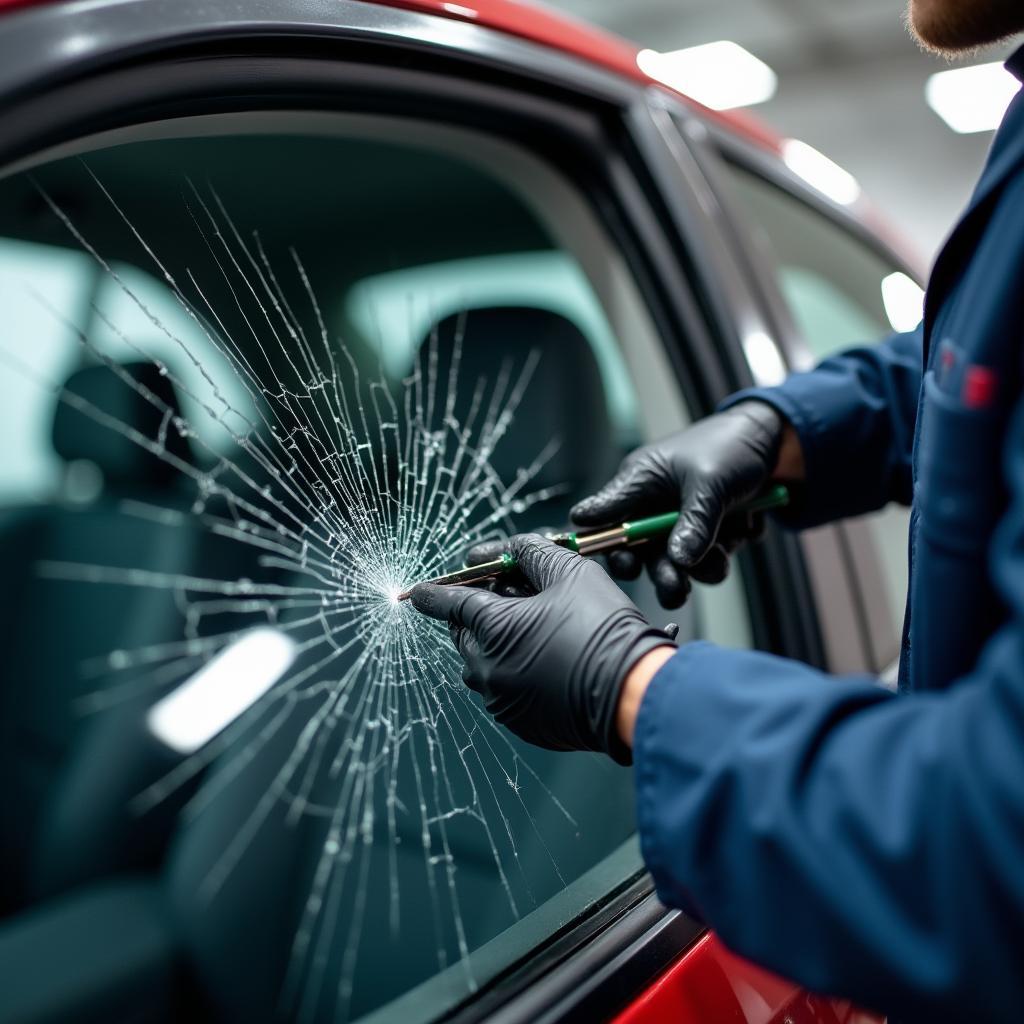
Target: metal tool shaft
pixel 471 574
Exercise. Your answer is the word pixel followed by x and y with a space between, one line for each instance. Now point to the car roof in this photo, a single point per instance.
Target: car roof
pixel 557 31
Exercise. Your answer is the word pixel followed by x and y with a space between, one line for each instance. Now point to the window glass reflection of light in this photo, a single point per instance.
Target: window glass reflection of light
pixel 211 699
pixel 904 301
pixel 765 360
pixel 821 173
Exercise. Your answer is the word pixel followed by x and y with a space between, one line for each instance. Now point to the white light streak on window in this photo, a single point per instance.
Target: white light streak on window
pixel 720 75
pixel 821 173
pixel 766 364
pixel 209 701
pixel 972 99
pixel 76 45
pixel 904 301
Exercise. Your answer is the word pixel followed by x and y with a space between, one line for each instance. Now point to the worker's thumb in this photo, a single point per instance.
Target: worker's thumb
pixel 459 606
pixel 543 563
pixel 694 534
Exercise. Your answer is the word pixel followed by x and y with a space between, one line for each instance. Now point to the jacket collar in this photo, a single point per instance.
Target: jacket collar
pixel 1006 154
pixel 1015 64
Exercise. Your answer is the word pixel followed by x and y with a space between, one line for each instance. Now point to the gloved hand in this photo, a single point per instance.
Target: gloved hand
pixel 705 472
pixel 550 667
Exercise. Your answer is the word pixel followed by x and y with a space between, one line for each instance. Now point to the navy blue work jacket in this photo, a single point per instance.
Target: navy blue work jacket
pixel 863 843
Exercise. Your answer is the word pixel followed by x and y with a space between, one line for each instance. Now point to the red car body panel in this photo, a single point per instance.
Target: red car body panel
pixel 707 983
pixel 540 26
pixel 10 5
pixel 710 984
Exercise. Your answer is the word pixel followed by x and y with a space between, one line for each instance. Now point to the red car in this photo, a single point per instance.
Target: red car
pixel 459 185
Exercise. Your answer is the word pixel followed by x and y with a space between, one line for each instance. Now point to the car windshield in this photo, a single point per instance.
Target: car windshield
pixel 257 384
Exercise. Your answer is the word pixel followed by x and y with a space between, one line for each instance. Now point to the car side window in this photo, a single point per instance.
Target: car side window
pixel 322 369
pixel 840 293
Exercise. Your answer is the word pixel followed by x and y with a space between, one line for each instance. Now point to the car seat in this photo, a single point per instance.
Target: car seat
pixel 69 776
pixel 565 401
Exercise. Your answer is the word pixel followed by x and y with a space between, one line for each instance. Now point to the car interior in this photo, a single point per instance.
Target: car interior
pixel 125 890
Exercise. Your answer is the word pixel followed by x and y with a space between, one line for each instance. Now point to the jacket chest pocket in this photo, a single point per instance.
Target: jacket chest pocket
pixel 959 490
pixel 958 497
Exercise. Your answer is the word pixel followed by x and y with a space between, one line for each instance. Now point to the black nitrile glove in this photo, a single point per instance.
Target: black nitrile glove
pixel 550 667
pixel 705 471
pixel 509 584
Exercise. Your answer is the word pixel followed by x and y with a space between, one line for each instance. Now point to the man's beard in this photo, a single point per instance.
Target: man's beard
pixel 952 27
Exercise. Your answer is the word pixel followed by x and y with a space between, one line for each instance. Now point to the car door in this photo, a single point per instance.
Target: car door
pixel 311 228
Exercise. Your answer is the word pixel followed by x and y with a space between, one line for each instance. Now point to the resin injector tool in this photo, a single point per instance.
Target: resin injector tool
pixel 595 542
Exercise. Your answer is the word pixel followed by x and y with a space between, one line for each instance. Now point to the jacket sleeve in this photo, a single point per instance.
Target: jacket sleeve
pixel 864 844
pixel 855 416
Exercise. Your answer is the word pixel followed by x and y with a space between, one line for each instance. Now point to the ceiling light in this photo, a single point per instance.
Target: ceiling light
pixel 211 699
pixel 972 99
pixel 821 173
pixel 904 301
pixel 720 75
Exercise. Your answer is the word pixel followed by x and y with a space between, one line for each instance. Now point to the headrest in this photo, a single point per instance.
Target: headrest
pixel 565 399
pixel 77 435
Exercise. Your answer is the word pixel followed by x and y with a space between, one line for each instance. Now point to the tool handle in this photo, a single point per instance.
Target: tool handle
pixel 653 526
pixel 599 541
pixel 656 526
pixel 777 496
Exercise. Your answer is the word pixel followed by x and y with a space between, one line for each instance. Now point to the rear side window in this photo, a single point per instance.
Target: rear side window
pixel 840 293
pixel 304 370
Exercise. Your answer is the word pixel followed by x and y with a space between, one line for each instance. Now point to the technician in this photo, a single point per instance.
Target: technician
pixel 862 843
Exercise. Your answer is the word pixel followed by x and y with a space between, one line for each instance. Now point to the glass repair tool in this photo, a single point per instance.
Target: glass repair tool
pixel 600 541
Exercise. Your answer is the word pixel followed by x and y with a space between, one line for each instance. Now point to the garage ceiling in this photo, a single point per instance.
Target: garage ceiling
pixel 851 83
pixel 789 34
